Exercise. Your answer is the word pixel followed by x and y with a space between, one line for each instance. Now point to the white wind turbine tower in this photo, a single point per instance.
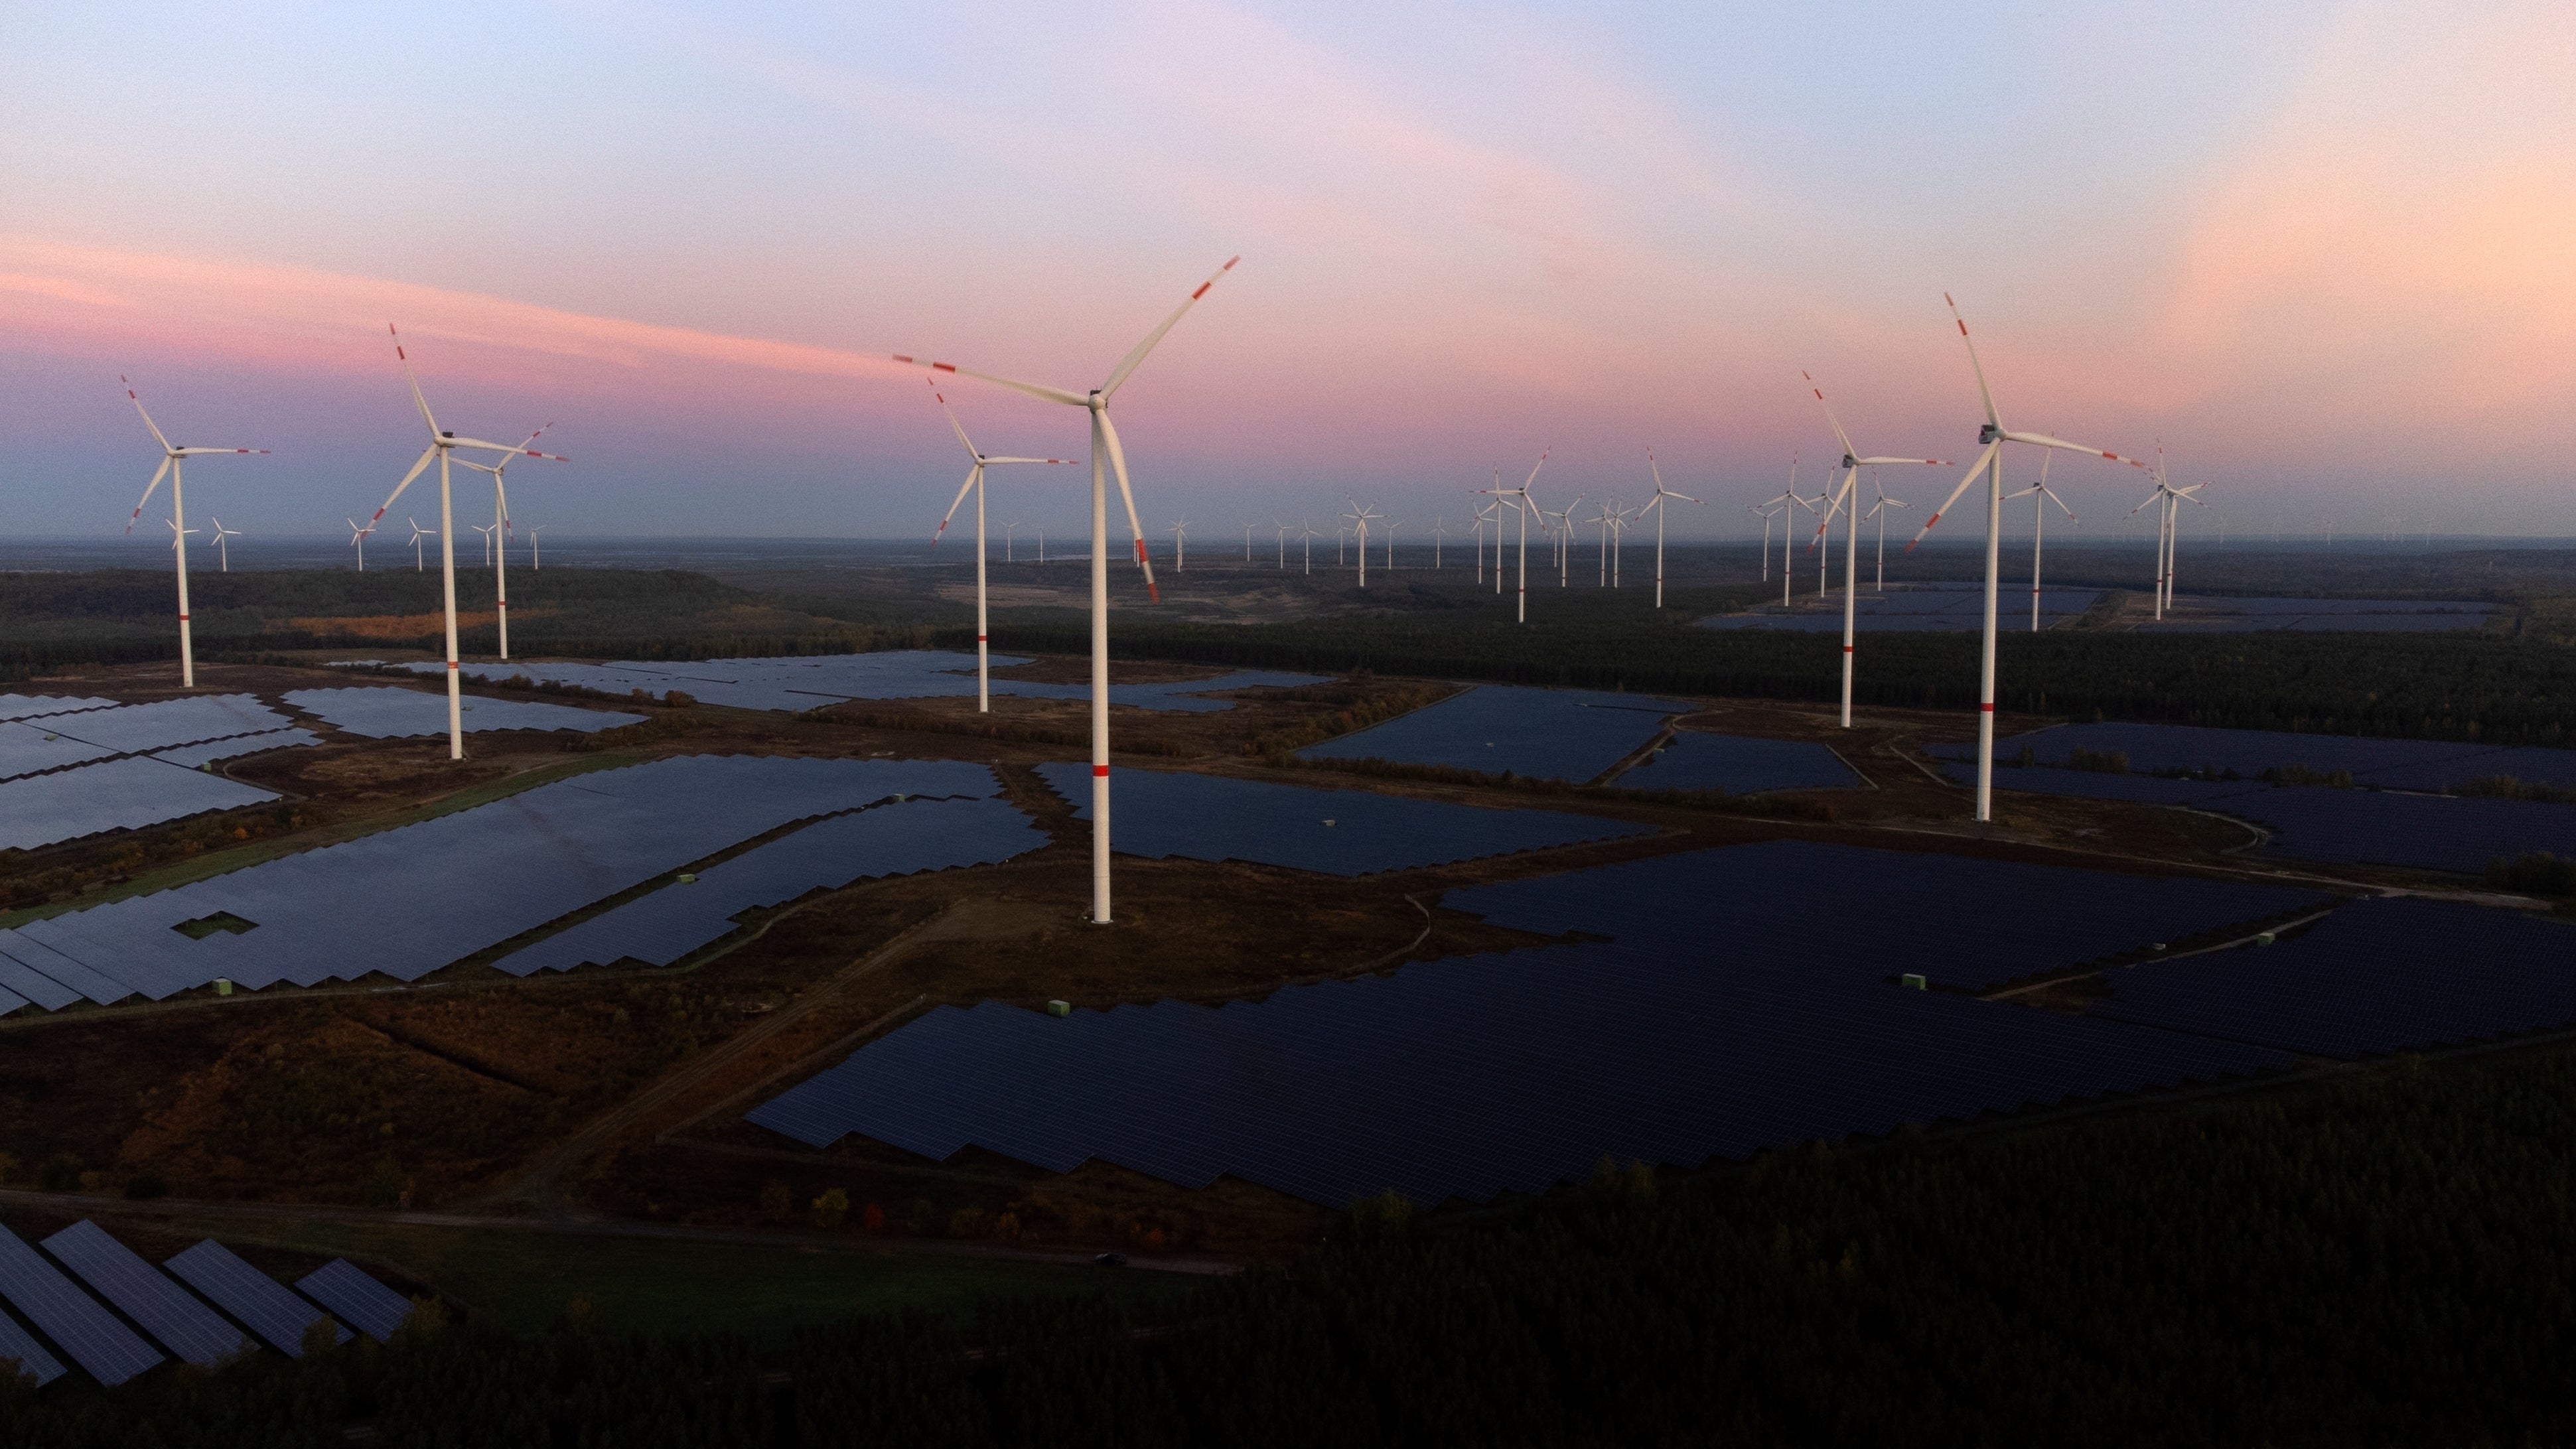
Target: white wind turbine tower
pixel 1247 543
pixel 1439 533
pixel 1390 543
pixel 1994 435
pixel 223 556
pixel 1360 518
pixel 358 535
pixel 1846 500
pixel 1620 519
pixel 418 549
pixel 1180 532
pixel 1878 510
pixel 1766 515
pixel 1524 505
pixel 1342 546
pixel 487 530
pixel 976 464
pixel 2168 515
pixel 1308 534
pixel 1655 506
pixel 1106 456
pixel 173 463
pixel 441 443
pixel 532 546
pixel 497 537
pixel 1489 513
pixel 1558 527
pixel 1283 544
pixel 1602 519
pixel 2040 497
pixel 1010 538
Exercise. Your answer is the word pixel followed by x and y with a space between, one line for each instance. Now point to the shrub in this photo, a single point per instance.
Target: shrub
pixel 831 1209
pixel 2538 873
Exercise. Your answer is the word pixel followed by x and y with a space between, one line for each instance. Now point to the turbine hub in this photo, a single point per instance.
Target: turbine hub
pixel 1988 432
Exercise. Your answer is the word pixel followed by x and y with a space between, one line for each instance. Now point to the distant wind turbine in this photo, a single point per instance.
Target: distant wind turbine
pixel 1360 518
pixel 497 537
pixel 1878 510
pixel 532 545
pixel 1846 500
pixel 1655 506
pixel 418 549
pixel 1524 505
pixel 173 463
pixel 223 556
pixel 2040 497
pixel 975 484
pixel 1180 532
pixel 358 536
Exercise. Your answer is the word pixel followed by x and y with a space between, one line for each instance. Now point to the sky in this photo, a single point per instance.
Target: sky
pixel 2320 252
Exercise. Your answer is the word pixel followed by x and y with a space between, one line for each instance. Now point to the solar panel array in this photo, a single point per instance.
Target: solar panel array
pixel 124 794
pixel 253 1297
pixel 1163 813
pixel 803 682
pixel 2376 976
pixel 363 1303
pixel 135 728
pixel 195 756
pixel 19 1346
pixel 1739 765
pixel 1546 734
pixel 32 749
pixel 188 1328
pixel 1717 1023
pixel 95 1338
pixel 1913 608
pixel 2428 832
pixel 521 861
pixel 2151 747
pixel 28 706
pixel 2193 615
pixel 893 839
pixel 384 712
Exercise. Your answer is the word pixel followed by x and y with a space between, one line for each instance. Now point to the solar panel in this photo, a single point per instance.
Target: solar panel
pixel 273 1312
pixel 526 860
pixel 2216 615
pixel 2429 832
pixel 77 1324
pixel 19 1346
pixel 68 975
pixel 132 728
pixel 1548 734
pixel 122 794
pixel 805 681
pixel 1697 760
pixel 893 839
pixel 28 706
pixel 1163 813
pixel 208 753
pixel 1906 608
pixel 384 712
pixel 2152 747
pixel 365 1304
pixel 1718 1020
pixel 167 1311
pixel 27 749
pixel 2374 977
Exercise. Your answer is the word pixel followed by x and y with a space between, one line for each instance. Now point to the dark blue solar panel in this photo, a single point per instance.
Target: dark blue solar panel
pixel 29 706
pixel 10 1001
pixel 110 795
pixel 524 860
pixel 271 1310
pixel 1548 734
pixel 20 1347
pixel 2430 832
pixel 2096 785
pixel 1947 608
pixel 2248 752
pixel 385 712
pixel 193 756
pixel 95 1339
pixel 1160 813
pixel 2376 976
pixel 32 749
pixel 135 727
pixel 803 682
pixel 167 1311
pixel 892 839
pixel 1739 765
pixel 69 974
pixel 365 1304
pixel 2529 764
pixel 1715 1024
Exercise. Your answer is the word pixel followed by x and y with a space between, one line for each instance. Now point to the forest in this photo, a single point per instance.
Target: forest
pixel 2376 1256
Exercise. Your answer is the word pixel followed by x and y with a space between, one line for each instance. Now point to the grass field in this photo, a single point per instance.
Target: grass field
pixel 521 1282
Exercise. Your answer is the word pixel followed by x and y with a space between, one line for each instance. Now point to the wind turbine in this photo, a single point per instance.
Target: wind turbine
pixel 1247 543
pixel 358 535
pixel 1847 500
pixel 1390 543
pixel 497 537
pixel 532 547
pixel 487 530
pixel 1559 527
pixel 1603 520
pixel 1523 504
pixel 223 555
pixel 2168 515
pixel 974 484
pixel 1360 518
pixel 1283 544
pixel 173 461
pixel 1766 515
pixel 418 562
pixel 1655 506
pixel 1620 518
pixel 441 444
pixel 1106 456
pixel 1878 510
pixel 1439 534
pixel 1180 532
pixel 2040 498
pixel 1309 535
pixel 1788 503
pixel 1994 435
pixel 1010 537
pixel 1489 513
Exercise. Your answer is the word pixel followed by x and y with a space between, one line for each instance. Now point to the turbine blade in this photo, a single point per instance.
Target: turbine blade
pixel 1835 423
pixel 1136 354
pixel 1035 390
pixel 2045 441
pixel 953 425
pixel 157 475
pixel 147 417
pixel 1118 465
pixel 1874 462
pixel 989 462
pixel 426 454
pixel 1983 391
pixel 1974 469
pixel 405 359
pixel 954 504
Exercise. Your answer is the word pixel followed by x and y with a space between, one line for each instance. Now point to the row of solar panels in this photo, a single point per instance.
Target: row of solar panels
pixel 521 862
pixel 2395 764
pixel 804 682
pixel 1546 734
pixel 92 1313
pixel 1730 1000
